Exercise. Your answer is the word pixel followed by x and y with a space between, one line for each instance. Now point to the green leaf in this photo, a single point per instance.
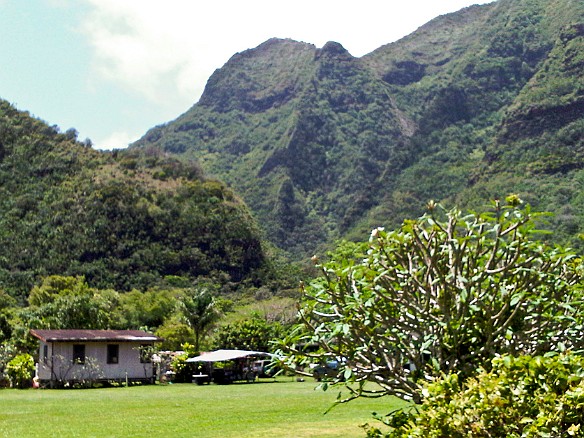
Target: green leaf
pixel 516 298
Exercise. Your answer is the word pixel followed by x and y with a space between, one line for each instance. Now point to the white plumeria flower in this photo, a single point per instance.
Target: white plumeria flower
pixel 376 231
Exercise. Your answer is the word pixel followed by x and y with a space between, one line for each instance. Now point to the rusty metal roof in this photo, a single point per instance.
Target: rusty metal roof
pixel 94 336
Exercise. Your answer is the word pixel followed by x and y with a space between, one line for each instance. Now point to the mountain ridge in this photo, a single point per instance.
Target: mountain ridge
pixel 298 135
pixel 321 146
pixel 338 144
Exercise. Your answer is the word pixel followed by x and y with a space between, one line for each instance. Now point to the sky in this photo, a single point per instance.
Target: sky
pixel 112 69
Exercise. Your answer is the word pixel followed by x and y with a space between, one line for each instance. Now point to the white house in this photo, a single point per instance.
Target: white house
pixel 88 356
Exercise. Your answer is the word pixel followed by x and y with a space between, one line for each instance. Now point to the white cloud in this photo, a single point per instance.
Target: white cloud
pixel 167 50
pixel 117 140
pixel 162 51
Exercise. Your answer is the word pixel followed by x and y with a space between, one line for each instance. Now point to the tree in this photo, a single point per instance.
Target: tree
pixel 54 286
pixel 251 334
pixel 175 333
pixel 69 303
pixel 6 303
pixel 138 310
pixel 200 310
pixel 444 293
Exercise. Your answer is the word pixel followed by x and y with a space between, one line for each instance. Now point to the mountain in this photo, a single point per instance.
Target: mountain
pixel 303 134
pixel 473 105
pixel 319 144
pixel 122 221
pixel 502 96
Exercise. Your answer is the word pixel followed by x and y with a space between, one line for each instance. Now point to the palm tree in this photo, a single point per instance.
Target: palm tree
pixel 201 311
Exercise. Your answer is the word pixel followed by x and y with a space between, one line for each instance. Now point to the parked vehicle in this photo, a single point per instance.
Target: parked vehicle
pixel 328 370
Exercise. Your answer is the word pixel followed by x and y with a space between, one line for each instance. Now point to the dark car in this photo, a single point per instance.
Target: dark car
pixel 328 370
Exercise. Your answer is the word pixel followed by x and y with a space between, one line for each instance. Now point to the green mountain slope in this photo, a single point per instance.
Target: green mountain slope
pixel 469 97
pixel 303 134
pixel 471 106
pixel 123 221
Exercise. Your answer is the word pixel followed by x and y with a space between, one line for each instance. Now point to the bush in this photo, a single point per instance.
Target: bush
pixel 182 369
pixel 520 397
pixel 255 334
pixel 20 371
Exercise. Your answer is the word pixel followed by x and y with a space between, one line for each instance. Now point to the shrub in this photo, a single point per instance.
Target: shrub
pixel 527 396
pixel 182 369
pixel 20 371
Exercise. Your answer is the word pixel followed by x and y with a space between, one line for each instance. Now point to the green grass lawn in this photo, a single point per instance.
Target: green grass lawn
pixel 285 408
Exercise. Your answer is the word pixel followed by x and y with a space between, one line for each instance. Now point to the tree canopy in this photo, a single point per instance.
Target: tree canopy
pixel 442 294
pixel 122 220
pixel 200 310
pixel 255 334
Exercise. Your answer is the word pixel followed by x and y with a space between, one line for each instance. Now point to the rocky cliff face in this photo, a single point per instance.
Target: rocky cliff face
pixel 258 80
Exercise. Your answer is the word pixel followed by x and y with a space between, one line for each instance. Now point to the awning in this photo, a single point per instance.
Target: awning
pixel 223 355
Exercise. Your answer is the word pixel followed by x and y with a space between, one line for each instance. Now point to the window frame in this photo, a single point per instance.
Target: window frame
pixel 79 354
pixel 113 354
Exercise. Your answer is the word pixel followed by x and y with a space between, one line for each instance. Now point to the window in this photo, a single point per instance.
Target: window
pixel 113 353
pixel 45 353
pixel 145 353
pixel 78 353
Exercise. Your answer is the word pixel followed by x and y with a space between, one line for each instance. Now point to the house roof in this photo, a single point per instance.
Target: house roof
pixel 221 355
pixel 94 336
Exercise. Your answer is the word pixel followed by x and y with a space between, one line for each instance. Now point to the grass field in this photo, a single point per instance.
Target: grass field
pixel 285 408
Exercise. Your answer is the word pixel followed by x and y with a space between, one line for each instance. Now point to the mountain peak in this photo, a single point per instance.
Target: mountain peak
pixel 334 49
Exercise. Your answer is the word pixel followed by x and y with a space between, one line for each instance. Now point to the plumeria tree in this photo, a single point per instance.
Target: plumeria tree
pixel 442 294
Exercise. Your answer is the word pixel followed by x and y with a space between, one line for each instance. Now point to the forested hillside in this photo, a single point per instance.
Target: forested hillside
pixel 122 222
pixel 321 145
pixel 498 109
pixel 473 105
pixel 302 133
pixel 295 147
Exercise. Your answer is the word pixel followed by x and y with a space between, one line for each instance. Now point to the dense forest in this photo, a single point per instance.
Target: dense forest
pixel 120 221
pixel 99 240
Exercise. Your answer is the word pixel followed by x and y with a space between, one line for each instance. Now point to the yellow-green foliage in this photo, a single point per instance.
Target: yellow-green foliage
pixel 20 371
pixel 520 397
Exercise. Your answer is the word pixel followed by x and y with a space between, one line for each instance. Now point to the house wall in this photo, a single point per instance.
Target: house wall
pixel 58 364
